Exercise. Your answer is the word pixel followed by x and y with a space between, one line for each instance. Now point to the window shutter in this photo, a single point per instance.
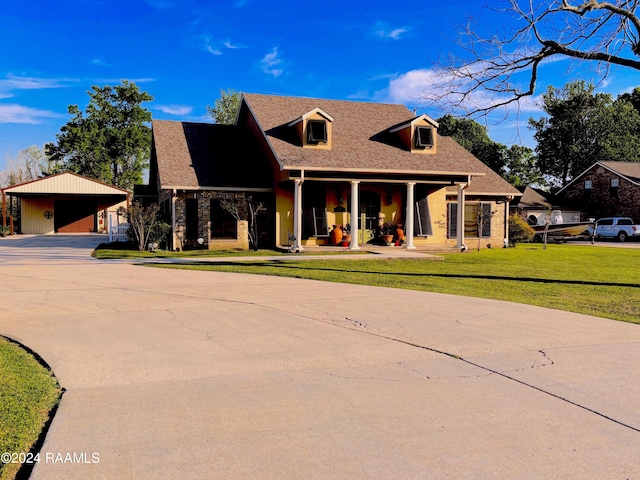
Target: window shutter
pixel 486 219
pixel 453 220
pixel 423 218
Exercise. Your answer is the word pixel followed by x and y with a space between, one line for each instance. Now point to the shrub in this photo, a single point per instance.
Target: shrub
pixel 519 230
pixel 145 225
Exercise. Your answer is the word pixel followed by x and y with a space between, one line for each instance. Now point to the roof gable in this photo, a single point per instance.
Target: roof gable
pixel 629 170
pixel 314 112
pixel 65 183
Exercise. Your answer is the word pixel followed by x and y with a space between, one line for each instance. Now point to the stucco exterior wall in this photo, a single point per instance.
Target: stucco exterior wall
pixel 392 210
pixel 498 226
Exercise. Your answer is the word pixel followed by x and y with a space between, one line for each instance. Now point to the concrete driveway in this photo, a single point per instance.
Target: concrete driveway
pixel 182 374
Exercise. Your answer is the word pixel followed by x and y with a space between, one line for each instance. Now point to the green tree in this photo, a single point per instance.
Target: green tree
pixel 522 167
pixel 474 137
pixel 110 141
pixel 583 127
pixel 225 109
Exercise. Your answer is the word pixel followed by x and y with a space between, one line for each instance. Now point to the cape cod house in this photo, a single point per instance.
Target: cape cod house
pixel 315 163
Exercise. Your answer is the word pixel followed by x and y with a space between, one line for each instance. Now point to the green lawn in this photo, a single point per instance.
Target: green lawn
pixel 28 393
pixel 601 281
pixel 107 252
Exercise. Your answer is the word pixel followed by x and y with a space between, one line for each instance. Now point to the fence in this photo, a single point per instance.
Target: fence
pixel 118 233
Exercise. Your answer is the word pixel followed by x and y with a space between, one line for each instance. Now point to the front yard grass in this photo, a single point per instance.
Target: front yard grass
pixel 28 393
pixel 600 281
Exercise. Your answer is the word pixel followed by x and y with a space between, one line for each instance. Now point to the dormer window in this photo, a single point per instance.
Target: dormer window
pixel 418 135
pixel 424 137
pixel 316 131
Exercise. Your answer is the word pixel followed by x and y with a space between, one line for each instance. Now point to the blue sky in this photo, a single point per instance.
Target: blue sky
pixel 184 51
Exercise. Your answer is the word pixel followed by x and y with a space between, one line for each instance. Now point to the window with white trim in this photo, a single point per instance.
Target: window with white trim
pixel 477 219
pixel 613 187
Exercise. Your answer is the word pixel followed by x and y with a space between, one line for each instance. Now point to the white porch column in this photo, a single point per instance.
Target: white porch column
pixel 173 219
pixel 506 220
pixel 297 215
pixel 408 223
pixel 355 214
pixel 460 219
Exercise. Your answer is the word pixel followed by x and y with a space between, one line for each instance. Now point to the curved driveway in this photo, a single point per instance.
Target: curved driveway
pixel 183 374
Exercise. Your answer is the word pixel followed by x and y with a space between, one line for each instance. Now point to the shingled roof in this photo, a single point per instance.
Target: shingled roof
pixel 196 155
pixel 631 170
pixel 361 142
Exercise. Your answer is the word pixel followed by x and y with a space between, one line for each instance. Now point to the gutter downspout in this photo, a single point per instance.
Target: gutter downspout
pixel 506 220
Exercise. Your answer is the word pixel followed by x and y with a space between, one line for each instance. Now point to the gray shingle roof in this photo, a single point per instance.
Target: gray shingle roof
pixel 631 170
pixel 207 155
pixel 362 142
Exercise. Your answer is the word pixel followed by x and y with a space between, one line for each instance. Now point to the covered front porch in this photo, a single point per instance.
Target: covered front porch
pixel 310 204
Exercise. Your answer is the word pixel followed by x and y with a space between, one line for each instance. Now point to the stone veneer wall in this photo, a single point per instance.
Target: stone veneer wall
pixel 204 221
pixel 600 202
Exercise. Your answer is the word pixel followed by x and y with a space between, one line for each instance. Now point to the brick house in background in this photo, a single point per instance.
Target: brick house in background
pixel 316 163
pixel 606 189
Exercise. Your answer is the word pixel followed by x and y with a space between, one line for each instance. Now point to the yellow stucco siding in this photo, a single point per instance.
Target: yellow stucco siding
pixel 33 218
pixel 316 146
pixel 437 201
pixel 427 151
pixel 284 215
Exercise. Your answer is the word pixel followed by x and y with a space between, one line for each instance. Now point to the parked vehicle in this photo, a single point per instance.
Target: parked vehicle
pixel 562 232
pixel 621 228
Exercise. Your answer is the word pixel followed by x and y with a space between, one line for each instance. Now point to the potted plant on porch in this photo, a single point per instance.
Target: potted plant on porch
pixel 346 235
pixel 385 233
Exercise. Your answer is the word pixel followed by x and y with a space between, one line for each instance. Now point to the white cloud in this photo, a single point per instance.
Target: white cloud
pixel 383 30
pixel 213 51
pixel 14 113
pixel 12 82
pixel 100 63
pixel 270 62
pixel 175 109
pixel 230 46
pixel 419 85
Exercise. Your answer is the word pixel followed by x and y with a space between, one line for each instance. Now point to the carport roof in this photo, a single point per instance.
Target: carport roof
pixel 64 184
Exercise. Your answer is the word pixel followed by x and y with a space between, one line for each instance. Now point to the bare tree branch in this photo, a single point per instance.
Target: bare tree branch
pixel 502 69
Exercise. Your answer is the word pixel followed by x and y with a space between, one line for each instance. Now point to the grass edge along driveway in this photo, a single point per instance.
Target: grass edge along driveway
pixel 28 394
pixel 599 281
